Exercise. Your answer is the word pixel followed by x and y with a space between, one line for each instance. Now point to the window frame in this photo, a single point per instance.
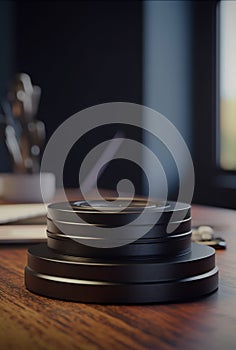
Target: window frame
pixel 214 185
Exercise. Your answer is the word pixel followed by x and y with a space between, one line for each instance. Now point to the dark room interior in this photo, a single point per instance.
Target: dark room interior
pixel 118 174
pixel 159 54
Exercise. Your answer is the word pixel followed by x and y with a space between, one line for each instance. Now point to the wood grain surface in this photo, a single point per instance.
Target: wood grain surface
pixel 28 321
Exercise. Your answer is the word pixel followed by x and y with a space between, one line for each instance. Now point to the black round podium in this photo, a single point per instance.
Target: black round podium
pixel 161 266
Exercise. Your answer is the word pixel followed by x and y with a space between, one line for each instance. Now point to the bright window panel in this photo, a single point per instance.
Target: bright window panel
pixel 227 84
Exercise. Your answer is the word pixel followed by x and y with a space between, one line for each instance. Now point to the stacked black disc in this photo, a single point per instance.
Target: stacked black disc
pixel 82 263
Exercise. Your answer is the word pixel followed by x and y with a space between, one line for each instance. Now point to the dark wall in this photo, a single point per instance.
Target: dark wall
pixel 167 77
pixel 7 42
pixel 81 53
pixel 7 67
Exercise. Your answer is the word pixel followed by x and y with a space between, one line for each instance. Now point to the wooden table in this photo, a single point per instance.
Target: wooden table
pixel 28 321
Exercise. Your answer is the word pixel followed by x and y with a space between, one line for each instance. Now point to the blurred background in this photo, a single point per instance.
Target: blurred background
pixel 177 57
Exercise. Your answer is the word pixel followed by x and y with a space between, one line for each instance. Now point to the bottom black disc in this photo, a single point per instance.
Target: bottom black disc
pixel 63 277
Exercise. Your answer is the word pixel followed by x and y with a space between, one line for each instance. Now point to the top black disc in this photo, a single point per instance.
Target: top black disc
pixel 108 213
